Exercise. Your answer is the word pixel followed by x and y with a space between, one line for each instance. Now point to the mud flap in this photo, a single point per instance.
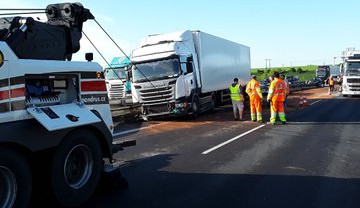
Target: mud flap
pixel 63 116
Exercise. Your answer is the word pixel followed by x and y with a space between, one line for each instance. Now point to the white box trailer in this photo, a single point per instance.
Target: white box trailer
pixel 220 61
pixel 186 72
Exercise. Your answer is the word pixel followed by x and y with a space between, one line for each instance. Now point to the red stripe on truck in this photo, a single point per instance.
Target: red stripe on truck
pixel 14 93
pixel 87 86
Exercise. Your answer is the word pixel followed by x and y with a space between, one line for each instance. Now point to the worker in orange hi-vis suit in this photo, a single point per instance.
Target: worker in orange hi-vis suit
pixel 254 92
pixel 276 95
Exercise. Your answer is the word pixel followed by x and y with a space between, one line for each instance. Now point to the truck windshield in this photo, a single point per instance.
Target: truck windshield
pixel 321 73
pixel 352 69
pixel 156 70
pixel 110 74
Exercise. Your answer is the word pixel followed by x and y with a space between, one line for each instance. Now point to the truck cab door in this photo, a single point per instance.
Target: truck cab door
pixel 189 79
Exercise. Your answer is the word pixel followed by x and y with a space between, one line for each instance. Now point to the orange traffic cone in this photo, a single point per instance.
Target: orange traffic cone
pixel 301 102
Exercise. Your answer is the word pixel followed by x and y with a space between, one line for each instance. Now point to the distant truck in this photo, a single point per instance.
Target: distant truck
pixel 186 72
pixel 350 72
pixel 118 85
pixel 323 72
pixel 116 76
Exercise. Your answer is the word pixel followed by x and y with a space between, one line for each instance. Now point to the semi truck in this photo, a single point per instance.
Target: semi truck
pixel 116 76
pixel 118 83
pixel 55 116
pixel 350 72
pixel 323 72
pixel 186 72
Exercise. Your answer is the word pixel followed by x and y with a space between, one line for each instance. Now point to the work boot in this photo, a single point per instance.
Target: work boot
pixel 270 123
pixel 260 121
pixel 283 122
pixel 253 120
pixel 236 119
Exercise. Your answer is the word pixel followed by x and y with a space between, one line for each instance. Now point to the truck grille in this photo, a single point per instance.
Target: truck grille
pixel 157 95
pixel 116 91
pixel 351 80
pixel 162 108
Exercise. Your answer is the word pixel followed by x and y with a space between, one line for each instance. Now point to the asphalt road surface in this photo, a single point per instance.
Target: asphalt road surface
pixel 213 161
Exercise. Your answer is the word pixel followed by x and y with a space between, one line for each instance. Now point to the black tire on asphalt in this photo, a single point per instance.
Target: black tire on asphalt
pixel 80 142
pixel 16 163
pixel 195 106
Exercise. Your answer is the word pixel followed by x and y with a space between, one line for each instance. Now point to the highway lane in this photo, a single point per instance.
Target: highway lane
pixel 311 162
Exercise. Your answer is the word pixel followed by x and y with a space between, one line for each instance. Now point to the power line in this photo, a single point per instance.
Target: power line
pixel 132 63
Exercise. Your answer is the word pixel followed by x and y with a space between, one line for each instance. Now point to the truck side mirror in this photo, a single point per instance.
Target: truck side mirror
pixel 183 67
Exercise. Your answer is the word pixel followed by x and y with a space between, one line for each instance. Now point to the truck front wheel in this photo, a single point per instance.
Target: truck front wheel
pixel 195 106
pixel 76 168
pixel 15 179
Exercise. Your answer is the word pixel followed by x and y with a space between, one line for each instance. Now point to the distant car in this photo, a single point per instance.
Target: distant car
pixel 318 82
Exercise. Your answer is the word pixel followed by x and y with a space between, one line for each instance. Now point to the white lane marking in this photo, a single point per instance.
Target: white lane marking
pixel 231 140
pixel 315 102
pixel 314 123
pixel 135 130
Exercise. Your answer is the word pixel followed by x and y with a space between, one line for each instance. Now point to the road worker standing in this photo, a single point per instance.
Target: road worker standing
pixel 237 99
pixel 276 95
pixel 254 91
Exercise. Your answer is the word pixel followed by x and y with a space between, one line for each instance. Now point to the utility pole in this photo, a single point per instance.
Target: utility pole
pixel 269 64
pixel 334 60
pixel 266 64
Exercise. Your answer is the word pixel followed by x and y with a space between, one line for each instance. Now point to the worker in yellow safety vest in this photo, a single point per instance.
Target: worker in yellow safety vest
pixel 276 96
pixel 254 91
pixel 237 99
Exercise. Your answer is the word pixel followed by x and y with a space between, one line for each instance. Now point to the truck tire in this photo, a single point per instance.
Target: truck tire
pixel 195 106
pixel 76 168
pixel 15 177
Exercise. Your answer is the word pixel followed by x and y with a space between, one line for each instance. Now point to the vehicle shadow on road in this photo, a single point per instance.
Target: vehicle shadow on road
pixel 152 183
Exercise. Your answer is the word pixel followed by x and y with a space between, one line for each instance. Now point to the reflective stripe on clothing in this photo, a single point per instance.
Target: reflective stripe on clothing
pixel 255 108
pixel 234 93
pixel 277 90
pixel 277 107
pixel 253 89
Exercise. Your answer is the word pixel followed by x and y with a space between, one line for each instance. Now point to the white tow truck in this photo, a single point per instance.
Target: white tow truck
pixel 55 118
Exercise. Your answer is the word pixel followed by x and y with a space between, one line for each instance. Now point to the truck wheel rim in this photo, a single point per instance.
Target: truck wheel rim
pixel 78 166
pixel 195 107
pixel 8 187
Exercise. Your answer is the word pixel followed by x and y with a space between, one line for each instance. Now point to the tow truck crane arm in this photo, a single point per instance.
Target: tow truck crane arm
pixel 56 39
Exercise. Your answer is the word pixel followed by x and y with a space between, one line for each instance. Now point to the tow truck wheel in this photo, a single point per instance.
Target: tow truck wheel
pixel 15 179
pixel 76 168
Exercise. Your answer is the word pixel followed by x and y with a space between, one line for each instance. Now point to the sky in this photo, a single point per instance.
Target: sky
pixel 290 33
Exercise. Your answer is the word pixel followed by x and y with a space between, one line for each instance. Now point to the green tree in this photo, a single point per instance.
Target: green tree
pixel 299 70
pixel 292 69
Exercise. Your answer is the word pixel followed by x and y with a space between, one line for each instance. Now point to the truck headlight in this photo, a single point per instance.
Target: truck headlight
pixel 179 105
